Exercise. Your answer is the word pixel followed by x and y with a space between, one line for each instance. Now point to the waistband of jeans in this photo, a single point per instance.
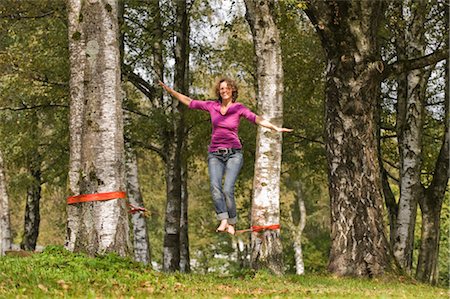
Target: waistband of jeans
pixel 226 151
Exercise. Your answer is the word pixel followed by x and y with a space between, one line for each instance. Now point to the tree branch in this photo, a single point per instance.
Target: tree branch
pixel 18 16
pixel 136 112
pixel 441 169
pixel 146 88
pixel 399 67
pixel 153 147
pixel 34 107
pixel 390 163
pixel 308 139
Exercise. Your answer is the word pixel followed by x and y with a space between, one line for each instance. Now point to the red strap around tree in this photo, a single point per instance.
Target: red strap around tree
pixel 258 228
pixel 96 197
pixel 106 196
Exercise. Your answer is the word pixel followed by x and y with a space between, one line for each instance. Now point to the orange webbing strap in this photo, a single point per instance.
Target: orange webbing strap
pixel 258 228
pixel 95 197
pixel 135 209
pixel 106 196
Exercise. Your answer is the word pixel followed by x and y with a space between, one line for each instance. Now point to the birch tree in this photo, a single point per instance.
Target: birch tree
pixel 141 243
pixel 431 200
pixel 32 216
pixel 411 40
pixel 298 229
pixel 96 129
pixel 347 30
pixel 266 246
pixel 169 134
pixel 175 230
pixel 412 86
pixel 5 224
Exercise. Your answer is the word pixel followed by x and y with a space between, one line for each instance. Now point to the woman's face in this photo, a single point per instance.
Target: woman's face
pixel 225 92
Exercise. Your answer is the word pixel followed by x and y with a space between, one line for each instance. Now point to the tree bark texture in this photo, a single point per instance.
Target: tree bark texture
pixel 32 213
pixel 185 260
pixel 431 204
pixel 183 82
pixel 412 86
pixel 174 143
pixel 347 30
pixel 266 246
pixel 96 129
pixel 298 230
pixel 158 60
pixel 5 223
pixel 141 242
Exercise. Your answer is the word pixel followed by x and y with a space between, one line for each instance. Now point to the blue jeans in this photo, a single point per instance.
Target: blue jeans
pixel 228 164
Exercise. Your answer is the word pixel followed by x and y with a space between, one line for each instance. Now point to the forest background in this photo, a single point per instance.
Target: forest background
pixel 34 103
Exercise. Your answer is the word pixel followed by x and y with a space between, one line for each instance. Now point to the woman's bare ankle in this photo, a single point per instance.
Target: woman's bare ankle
pixel 231 229
pixel 223 225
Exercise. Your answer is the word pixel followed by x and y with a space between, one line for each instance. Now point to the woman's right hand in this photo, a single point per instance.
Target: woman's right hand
pixel 179 96
pixel 164 86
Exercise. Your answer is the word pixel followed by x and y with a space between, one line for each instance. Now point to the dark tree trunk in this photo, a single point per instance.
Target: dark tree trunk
pixel 348 33
pixel 171 250
pixel 175 139
pixel 391 205
pixel 428 262
pixel 184 237
pixel 32 214
pixel 431 204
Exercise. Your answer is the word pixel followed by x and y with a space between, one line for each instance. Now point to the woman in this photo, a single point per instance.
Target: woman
pixel 224 151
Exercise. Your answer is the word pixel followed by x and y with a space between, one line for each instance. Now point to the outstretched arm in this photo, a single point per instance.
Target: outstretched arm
pixel 179 96
pixel 265 123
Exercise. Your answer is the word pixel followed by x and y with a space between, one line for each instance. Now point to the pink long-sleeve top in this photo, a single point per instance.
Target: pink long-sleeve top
pixel 224 127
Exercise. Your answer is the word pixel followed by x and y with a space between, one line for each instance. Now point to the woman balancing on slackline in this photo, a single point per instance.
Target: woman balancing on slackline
pixel 224 152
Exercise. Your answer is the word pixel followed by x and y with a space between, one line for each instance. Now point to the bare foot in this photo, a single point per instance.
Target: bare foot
pixel 231 229
pixel 223 226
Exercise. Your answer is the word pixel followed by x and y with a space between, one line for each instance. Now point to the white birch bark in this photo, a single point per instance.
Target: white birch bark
pixel 298 231
pixel 141 243
pixel 266 246
pixel 97 156
pixel 431 203
pixel 5 224
pixel 411 142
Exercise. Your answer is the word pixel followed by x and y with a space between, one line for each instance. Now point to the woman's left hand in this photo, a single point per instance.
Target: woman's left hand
pixel 283 130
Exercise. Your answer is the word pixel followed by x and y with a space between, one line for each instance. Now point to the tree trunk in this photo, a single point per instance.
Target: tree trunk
pixel 431 204
pixel 298 230
pixel 182 77
pixel 391 204
pixel 158 60
pixel 185 262
pixel 171 250
pixel 347 30
pixel 5 223
pixel 32 214
pixel 266 246
pixel 428 262
pixel 141 243
pixel 96 129
pixel 409 130
pixel 174 144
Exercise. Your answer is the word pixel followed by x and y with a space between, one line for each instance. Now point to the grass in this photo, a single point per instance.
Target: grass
pixel 57 273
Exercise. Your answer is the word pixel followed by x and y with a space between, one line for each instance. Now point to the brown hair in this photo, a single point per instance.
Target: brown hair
pixel 231 84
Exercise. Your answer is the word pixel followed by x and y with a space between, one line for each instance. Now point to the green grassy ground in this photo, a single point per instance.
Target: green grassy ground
pixel 58 273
